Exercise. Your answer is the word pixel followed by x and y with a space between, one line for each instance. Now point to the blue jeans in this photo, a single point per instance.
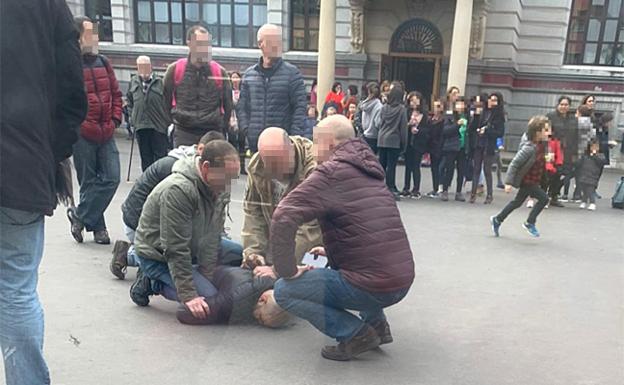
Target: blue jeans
pixel 323 296
pixel 21 315
pixel 97 169
pixel 230 252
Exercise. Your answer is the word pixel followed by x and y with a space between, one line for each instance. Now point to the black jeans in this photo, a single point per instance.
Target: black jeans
pixel 533 191
pixel 551 183
pixel 372 143
pixel 435 171
pixel 153 145
pixel 588 193
pixel 451 161
pixel 482 160
pixel 413 157
pixel 388 157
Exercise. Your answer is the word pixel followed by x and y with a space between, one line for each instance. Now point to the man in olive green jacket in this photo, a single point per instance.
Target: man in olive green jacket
pixel 181 226
pixel 148 113
pixel 282 162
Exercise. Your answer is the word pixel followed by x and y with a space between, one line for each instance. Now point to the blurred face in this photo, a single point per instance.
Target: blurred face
pixel 593 148
pixel 235 80
pixel 268 313
pixel 460 106
pixel 324 143
pixel 311 113
pixel 414 102
pixel 453 95
pixel 590 102
pixel 90 39
pixel 278 162
pixel 338 89
pixel 331 111
pixel 220 178
pixel 545 133
pixel 437 107
pixel 144 70
pixel 270 43
pixel 563 107
pixel 200 47
pixel 352 108
pixel 493 102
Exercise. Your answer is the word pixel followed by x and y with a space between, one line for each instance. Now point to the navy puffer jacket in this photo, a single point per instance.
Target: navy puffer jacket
pixel 273 97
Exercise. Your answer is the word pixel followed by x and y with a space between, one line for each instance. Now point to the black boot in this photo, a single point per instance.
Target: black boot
pixel 365 340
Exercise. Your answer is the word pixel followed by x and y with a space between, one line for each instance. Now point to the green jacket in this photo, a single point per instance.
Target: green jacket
pixel 259 204
pixel 147 110
pixel 181 224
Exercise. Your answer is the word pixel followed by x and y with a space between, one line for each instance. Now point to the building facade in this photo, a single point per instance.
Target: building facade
pixel 532 51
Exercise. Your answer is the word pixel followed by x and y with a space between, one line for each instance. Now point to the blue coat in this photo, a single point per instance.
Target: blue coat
pixel 273 97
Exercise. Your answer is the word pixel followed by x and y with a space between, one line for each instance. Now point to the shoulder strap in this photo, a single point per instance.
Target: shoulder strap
pixel 178 76
pixel 215 70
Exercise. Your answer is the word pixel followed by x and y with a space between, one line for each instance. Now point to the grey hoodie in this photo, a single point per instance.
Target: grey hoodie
pixel 393 128
pixel 371 109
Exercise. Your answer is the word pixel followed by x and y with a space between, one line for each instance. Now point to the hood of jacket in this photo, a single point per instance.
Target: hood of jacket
pixel 188 168
pixel 358 154
pixel 369 105
pixel 183 152
pixel 390 113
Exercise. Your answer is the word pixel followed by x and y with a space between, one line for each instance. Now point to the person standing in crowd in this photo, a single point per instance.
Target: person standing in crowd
pixel 96 157
pixel 589 170
pixel 43 102
pixel 392 136
pixel 313 95
pixel 309 123
pixel 281 164
pixel 434 145
pixel 371 108
pixel 385 91
pixel 197 91
pixel 417 139
pixel 338 193
pixel 272 91
pixel 336 97
pixel 565 128
pixel 148 111
pixel 452 94
pixel 454 143
pixel 177 241
pixel 236 137
pixel 349 98
pixel 525 173
pixel 487 125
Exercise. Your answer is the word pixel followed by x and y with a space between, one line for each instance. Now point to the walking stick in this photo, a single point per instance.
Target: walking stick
pixel 131 152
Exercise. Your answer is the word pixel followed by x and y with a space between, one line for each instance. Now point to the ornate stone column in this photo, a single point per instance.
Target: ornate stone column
pixel 460 46
pixel 479 22
pixel 357 26
pixel 327 51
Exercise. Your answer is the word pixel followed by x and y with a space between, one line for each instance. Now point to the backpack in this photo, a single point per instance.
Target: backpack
pixel 617 202
pixel 178 76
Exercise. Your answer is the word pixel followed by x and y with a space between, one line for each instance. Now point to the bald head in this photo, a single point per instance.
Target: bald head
pixel 270 43
pixel 329 133
pixel 277 153
pixel 144 66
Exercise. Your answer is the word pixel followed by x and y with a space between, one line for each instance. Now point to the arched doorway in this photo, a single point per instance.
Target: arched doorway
pixel 414 56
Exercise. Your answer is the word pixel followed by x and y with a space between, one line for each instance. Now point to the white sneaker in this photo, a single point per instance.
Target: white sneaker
pixel 592 207
pixel 530 203
pixel 583 205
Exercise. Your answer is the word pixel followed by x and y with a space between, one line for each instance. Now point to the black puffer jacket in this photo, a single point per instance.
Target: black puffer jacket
pixel 273 97
pixel 589 169
pixel 236 299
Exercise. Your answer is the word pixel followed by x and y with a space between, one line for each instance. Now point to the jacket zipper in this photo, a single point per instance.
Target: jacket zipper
pixel 97 93
pixel 266 88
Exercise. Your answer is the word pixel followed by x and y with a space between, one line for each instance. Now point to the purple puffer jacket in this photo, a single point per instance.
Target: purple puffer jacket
pixel 362 229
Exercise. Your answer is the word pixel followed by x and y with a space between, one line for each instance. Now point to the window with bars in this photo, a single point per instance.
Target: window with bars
pixel 596 33
pixel 305 17
pixel 100 12
pixel 232 23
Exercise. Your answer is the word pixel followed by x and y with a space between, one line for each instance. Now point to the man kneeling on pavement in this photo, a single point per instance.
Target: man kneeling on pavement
pixel 365 242
pixel 177 240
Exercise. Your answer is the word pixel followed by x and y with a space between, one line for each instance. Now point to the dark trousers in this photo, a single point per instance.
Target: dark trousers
pixel 588 192
pixel 388 157
pixel 533 191
pixel 499 168
pixel 551 183
pixel 97 169
pixel 435 171
pixel 413 157
pixel 482 160
pixel 372 142
pixel 451 161
pixel 153 145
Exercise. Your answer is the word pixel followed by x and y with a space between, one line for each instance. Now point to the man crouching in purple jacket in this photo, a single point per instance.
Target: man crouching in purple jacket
pixel 365 241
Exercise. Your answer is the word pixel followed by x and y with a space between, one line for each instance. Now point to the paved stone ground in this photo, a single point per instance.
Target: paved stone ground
pixel 482 310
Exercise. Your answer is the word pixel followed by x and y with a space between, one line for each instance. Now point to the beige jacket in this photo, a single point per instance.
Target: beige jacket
pixel 258 206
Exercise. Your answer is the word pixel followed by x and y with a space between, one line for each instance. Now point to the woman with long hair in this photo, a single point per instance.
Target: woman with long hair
pixel 392 137
pixel 434 144
pixel 487 125
pixel 371 108
pixel 417 140
pixel 454 149
pixel 565 128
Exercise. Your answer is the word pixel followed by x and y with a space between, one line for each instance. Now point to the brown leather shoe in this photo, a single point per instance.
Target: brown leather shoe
pixel 119 263
pixel 383 331
pixel 101 237
pixel 365 340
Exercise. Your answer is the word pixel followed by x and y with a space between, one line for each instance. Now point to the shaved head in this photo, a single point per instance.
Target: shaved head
pixel 143 60
pixel 329 133
pixel 277 153
pixel 270 43
pixel 268 29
